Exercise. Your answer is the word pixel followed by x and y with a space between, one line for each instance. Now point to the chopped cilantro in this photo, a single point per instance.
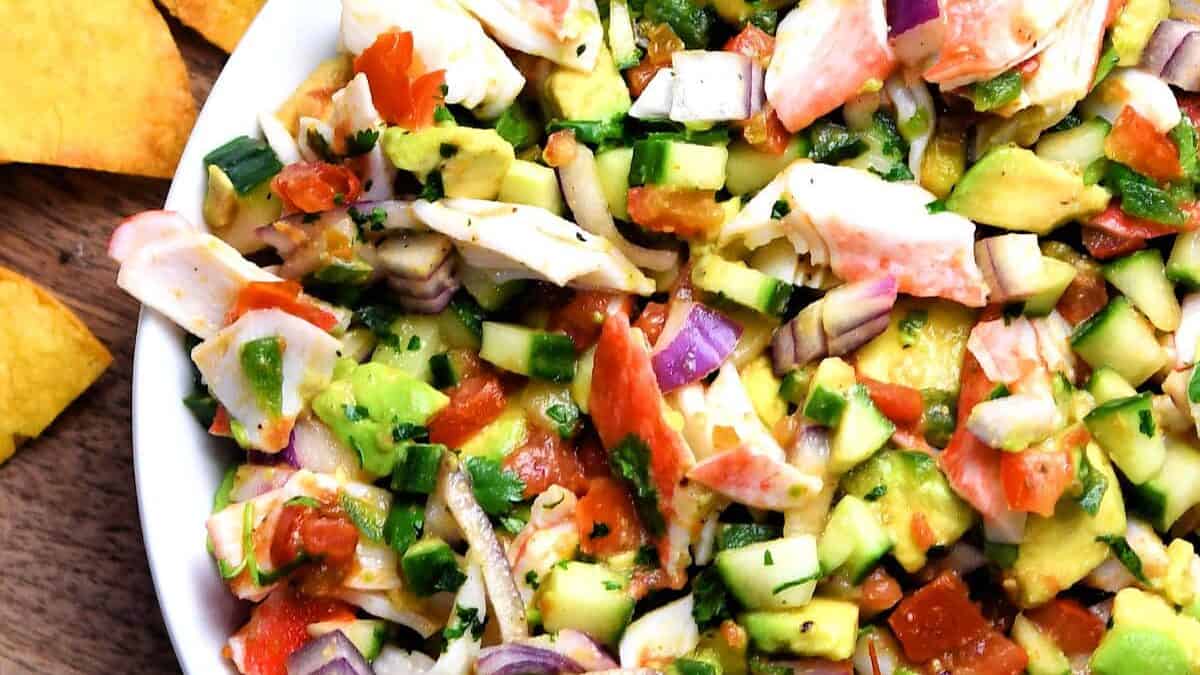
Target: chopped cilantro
pixel 414 343
pixel 795 582
pixel 631 461
pixel 433 189
pixel 495 487
pixel 566 418
pixel 1123 552
pixel 767 559
pixel 466 619
pixel 1094 486
pixel 1146 423
pixel 598 530
pixel 531 579
pixel 780 209
pixel 875 493
pixel 911 325
pixel 936 206
pixel 355 413
pixel 361 142
pixel 711 603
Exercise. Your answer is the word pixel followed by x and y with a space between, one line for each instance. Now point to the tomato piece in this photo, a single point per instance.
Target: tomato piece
pixel 1103 245
pixel 754 43
pixel 592 457
pixel 688 213
pixel 974 386
pixel 279 626
pixel 474 403
pixel 989 653
pixel 284 295
pixel 401 96
pixel 330 537
pixel 651 321
pixel 937 618
pixel 544 460
pixel 285 542
pixel 1072 627
pixel 661 44
pixel 902 405
pixel 607 519
pixel 765 132
pixel 313 187
pixel 583 315
pixel 1034 479
pixel 560 148
pixel 1086 295
pixel 220 423
pixel 1135 142
pixel 640 75
pixel 1124 226
pixel 879 592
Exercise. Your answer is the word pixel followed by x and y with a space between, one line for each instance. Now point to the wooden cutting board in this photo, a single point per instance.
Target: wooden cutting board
pixel 75 590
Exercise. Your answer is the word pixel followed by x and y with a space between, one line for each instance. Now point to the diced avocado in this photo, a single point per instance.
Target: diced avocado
pixel 860 432
pixel 922 347
pixel 745 286
pixel 1118 336
pixel 823 628
pixel 532 184
pixel 1131 32
pixel 1076 148
pixel 749 169
pixel 853 540
pixel 1057 552
pixel 430 566
pixel 472 162
pixel 1014 189
pixel 914 490
pixel 1179 586
pixel 1175 488
pixel 416 339
pixel 1126 430
pixel 1045 658
pixel 1139 610
pixel 777 574
pixel 945 160
pixel 1142 277
pixel 763 388
pixel 236 217
pixel 1107 384
pixel 577 95
pixel 367 635
pixel 364 405
pixel 1183 266
pixel 613 168
pixel 586 597
pixel 500 437
pixel 1056 276
pixel 794 386
pixel 1139 650
pixel 659 161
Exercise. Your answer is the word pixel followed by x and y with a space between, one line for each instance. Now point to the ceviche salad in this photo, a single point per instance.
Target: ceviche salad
pixel 707 338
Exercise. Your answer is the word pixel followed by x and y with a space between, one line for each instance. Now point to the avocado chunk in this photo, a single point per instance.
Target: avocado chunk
pixel 236 217
pixel 500 437
pixel 586 597
pixel 823 628
pixel 472 162
pixel 1133 27
pixel 1056 276
pixel 1059 551
pixel 576 95
pixel 922 347
pixel 1139 610
pixel 749 169
pixel 532 184
pixel 1139 650
pixel 1045 658
pixel 1014 189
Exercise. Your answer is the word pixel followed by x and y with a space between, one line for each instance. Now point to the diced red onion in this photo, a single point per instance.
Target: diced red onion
pixel 416 255
pixel 252 480
pixel 856 312
pixel 655 100
pixel 1163 43
pixel 1011 266
pixel 577 646
pixel 314 447
pixel 962 558
pixel 695 341
pixel 330 654
pixel 522 659
pixel 1183 70
pixel 918 45
pixel 430 295
pixel 714 86
pixel 285 456
pixel 801 341
pixel 905 15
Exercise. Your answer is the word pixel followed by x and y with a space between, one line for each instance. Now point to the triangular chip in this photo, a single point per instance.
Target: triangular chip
pixel 221 22
pixel 47 358
pixel 314 96
pixel 94 84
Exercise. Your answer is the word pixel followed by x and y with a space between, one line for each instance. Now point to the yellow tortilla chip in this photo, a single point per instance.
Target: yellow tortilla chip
pixel 314 96
pixel 94 84
pixel 48 357
pixel 221 22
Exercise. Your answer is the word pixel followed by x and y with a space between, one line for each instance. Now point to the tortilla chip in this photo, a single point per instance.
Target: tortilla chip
pixel 314 96
pixel 94 84
pixel 221 22
pixel 48 357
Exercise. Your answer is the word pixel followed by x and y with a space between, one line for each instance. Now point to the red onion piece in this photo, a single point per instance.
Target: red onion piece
pixel 419 305
pixel 1011 266
pixel 905 15
pixel 714 86
pixel 330 654
pixel 579 647
pixel 522 659
pixel 695 341
pixel 417 255
pixel 856 312
pixel 801 341
pixel 1163 43
pixel 252 480
pixel 1183 70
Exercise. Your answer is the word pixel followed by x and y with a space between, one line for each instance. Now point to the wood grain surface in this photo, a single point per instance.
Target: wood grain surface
pixel 75 590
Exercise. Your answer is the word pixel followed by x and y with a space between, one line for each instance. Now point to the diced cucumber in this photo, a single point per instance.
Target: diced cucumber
pixel 417 338
pixel 443 371
pixel 861 431
pixel 546 356
pixel 1056 276
pixel 794 386
pixel 1077 147
pixel 1184 264
pixel 461 323
pixel 1118 336
pixel 823 629
pixel 430 566
pixel 1126 430
pixel 826 397
pixel 659 161
pixel 1045 658
pixel 417 471
pixel 1175 488
pixel 737 535
pixel 1107 384
pixel 1142 277
pixel 586 597
pixel 612 166
pixel 777 574
pixel 739 283
pixel 750 169
pixel 621 40
pixel 854 539
pixel 367 635
pixel 247 162
pixel 490 295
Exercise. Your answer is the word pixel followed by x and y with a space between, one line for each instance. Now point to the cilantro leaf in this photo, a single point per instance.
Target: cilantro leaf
pixel 711 604
pixel 1122 551
pixel 466 619
pixel 495 487
pixel 1094 486
pixel 361 142
pixel 631 461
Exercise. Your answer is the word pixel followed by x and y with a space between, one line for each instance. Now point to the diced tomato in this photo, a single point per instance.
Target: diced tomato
pixel 592 457
pixel 754 43
pixel 1135 142
pixel 474 403
pixel 651 321
pixel 582 317
pixel 283 295
pixel 279 626
pixel 687 213
pixel 974 387
pixel 1104 245
pixel 989 653
pixel 544 460
pixel 313 187
pixel 902 405
pixel 322 533
pixel 640 75
pixel 1114 10
pixel 607 519
pixel 1085 295
pixel 1035 479
pixel 1072 627
pixel 220 423
pixel 764 131
pixel 878 593
pixel 971 467
pixel 1120 224
pixel 402 95
pixel 560 148
pixel 937 618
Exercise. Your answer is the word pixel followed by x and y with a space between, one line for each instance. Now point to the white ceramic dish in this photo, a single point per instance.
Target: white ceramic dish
pixel 177 467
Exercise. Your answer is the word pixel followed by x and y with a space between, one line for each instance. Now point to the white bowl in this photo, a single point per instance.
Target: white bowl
pixel 177 466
